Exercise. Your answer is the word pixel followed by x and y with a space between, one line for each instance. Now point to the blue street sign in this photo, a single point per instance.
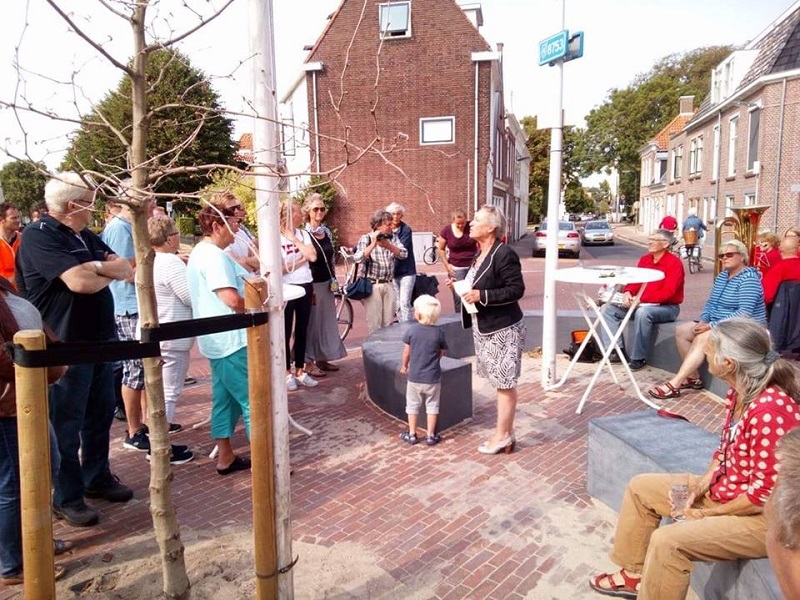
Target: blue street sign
pixel 574 46
pixel 553 48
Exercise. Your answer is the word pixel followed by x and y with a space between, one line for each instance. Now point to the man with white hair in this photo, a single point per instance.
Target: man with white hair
pixel 64 270
pixel 405 269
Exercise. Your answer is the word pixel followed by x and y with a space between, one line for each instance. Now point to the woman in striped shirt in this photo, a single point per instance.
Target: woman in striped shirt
pixel 736 292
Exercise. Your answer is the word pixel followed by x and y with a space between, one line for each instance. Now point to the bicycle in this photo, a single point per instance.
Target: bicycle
pixel 692 251
pixel 430 256
pixel 344 307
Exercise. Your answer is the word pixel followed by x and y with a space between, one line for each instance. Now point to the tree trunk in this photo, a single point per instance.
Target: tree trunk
pixel 162 509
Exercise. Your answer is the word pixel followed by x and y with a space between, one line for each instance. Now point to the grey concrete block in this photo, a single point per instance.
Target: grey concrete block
pixel 621 446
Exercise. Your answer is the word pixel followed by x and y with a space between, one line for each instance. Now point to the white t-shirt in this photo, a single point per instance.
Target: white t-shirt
pixel 290 254
pixel 172 296
pixel 240 246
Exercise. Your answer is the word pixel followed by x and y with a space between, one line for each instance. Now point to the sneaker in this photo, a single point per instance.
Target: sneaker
pixel 175 427
pixel 637 364
pixel 119 414
pixel 108 487
pixel 432 440
pixel 180 455
pixel 409 438
pixel 307 380
pixel 78 515
pixel 291 383
pixel 139 441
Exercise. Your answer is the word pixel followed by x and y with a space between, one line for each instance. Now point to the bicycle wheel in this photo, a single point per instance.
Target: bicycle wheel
pixel 692 264
pixel 430 256
pixel 344 315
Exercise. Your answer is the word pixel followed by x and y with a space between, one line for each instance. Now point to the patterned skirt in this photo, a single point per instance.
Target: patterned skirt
pixel 499 354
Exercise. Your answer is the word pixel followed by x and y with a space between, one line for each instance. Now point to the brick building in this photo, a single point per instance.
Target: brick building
pixel 403 101
pixel 742 145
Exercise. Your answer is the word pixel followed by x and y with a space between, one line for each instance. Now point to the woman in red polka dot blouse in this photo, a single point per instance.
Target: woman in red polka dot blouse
pixel 723 518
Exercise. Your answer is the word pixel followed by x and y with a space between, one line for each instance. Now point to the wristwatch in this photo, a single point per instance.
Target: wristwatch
pixel 97 266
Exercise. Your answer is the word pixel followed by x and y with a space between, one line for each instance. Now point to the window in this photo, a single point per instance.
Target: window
pixel 395 19
pixel 728 205
pixel 752 139
pixel 734 124
pixel 696 155
pixel 437 130
pixel 749 199
pixel 677 162
pixel 715 167
pixel 699 155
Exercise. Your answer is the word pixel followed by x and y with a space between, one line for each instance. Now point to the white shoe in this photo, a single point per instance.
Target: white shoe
pixel 307 380
pixel 291 383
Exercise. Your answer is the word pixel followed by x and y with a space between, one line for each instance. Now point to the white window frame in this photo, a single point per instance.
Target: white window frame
pixel 439 140
pixel 715 167
pixel 749 198
pixel 699 155
pixel 396 31
pixel 753 132
pixel 733 126
pixel 677 163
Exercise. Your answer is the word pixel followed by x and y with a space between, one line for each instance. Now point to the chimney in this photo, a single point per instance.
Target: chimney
pixel 686 104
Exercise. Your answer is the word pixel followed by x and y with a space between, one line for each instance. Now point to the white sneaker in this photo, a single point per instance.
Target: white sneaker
pixel 291 383
pixel 307 380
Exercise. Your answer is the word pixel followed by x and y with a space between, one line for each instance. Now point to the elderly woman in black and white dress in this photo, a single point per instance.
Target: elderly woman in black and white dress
pixel 498 328
pixel 323 343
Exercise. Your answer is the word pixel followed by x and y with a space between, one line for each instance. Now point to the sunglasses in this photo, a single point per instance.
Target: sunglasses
pixel 727 254
pixel 237 207
pixel 319 209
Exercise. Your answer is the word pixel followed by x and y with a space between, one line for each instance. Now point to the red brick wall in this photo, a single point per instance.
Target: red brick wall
pixel 430 74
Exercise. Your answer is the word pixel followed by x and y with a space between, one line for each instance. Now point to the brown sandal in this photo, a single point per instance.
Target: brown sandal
pixel 692 383
pixel 664 392
pixel 629 588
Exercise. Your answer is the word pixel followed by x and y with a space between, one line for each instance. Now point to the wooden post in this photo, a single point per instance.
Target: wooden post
pixel 34 465
pixel 261 450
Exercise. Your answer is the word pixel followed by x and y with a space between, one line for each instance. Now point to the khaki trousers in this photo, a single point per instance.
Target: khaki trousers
pixel 664 555
pixel 380 306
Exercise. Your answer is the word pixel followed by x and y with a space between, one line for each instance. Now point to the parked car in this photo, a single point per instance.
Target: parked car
pixel 569 240
pixel 597 232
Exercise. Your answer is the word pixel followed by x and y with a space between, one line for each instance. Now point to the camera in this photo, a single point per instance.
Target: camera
pixel 383 236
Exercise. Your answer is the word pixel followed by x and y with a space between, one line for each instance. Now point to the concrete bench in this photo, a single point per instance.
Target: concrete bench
pixel 383 350
pixel 621 446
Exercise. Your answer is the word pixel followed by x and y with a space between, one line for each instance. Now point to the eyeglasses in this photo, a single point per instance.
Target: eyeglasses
pixel 318 208
pixel 173 233
pixel 237 207
pixel 728 254
pixel 653 240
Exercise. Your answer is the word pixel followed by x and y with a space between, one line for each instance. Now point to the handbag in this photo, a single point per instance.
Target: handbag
pixel 360 288
pixel 591 353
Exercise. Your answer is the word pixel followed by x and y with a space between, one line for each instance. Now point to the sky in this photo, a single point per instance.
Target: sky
pixel 623 38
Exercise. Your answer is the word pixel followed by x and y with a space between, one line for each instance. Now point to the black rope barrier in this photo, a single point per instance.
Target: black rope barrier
pixel 77 353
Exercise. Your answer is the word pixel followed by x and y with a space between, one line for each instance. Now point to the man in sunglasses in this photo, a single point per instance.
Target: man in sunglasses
pixel 64 270
pixel 660 302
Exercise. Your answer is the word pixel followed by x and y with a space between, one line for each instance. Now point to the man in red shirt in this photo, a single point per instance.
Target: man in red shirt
pixel 660 302
pixel 669 223
pixel 9 240
pixel 787 269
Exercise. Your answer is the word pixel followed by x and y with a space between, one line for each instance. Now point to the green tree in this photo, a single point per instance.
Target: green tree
pixel 23 184
pixel 185 124
pixel 629 117
pixel 538 145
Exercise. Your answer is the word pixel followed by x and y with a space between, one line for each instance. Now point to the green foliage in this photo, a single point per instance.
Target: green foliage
pixel 538 145
pixel 185 225
pixel 576 200
pixel 240 185
pixel 23 184
pixel 180 100
pixel 629 117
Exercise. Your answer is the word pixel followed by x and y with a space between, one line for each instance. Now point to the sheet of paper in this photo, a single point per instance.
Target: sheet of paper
pixel 462 287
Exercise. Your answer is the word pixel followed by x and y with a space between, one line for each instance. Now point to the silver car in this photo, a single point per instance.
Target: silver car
pixel 569 240
pixel 598 232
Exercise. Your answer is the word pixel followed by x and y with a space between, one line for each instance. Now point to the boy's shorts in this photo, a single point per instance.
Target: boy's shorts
pixel 417 393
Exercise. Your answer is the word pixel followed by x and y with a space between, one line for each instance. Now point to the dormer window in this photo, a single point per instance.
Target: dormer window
pixel 395 20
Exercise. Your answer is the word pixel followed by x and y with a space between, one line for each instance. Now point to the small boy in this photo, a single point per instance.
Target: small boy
pixel 424 346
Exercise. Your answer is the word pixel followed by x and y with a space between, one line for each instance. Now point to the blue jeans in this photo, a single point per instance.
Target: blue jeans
pixel 10 513
pixel 81 410
pixel 643 320
pixel 403 290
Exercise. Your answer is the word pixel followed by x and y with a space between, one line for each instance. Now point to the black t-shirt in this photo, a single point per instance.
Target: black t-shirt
pixel 427 342
pixel 322 268
pixel 48 249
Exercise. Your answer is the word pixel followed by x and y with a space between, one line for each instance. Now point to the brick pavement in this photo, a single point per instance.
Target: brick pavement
pixel 443 522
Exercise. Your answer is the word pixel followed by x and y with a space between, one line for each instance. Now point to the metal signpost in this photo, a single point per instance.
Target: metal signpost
pixel 554 51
